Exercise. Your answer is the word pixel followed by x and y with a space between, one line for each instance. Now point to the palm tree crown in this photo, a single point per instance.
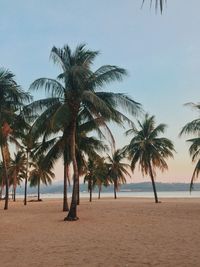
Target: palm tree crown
pixel 118 170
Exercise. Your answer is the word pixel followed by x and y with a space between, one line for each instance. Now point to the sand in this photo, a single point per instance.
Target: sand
pixel 115 233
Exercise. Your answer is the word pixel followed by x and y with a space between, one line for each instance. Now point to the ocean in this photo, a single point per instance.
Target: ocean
pixel 163 194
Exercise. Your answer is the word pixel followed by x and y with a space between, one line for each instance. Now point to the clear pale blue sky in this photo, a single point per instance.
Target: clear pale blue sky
pixel 161 54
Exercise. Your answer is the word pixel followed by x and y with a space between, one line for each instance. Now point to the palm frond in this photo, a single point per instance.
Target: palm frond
pixel 51 86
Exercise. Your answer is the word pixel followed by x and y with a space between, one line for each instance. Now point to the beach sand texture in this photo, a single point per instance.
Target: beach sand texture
pixel 110 233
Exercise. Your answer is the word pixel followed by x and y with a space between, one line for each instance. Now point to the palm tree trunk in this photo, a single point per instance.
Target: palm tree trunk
pixel 153 183
pixel 72 215
pixel 115 190
pixel 39 189
pixel 26 180
pixel 90 189
pixel 14 193
pixel 78 193
pixel 5 157
pixel 65 203
pixel 99 196
pixel 14 185
pixel 2 189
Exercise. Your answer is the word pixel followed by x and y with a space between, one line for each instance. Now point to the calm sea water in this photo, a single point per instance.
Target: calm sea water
pixel 168 194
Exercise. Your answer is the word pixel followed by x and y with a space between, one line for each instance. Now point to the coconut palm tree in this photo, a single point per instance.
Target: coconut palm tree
pixel 118 170
pixel 102 180
pixel 17 170
pixel 149 150
pixel 12 98
pixel 101 172
pixel 77 87
pixel 28 145
pixel 90 177
pixel 40 174
pixel 193 128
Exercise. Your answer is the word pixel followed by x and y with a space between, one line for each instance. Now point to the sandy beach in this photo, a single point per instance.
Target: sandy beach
pixel 114 233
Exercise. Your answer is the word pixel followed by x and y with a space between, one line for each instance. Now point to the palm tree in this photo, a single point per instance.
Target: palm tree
pixel 90 177
pixel 101 172
pixel 40 173
pixel 17 170
pixel 102 178
pixel 158 4
pixel 28 145
pixel 117 169
pixel 12 98
pixel 76 88
pixel 149 150
pixel 193 127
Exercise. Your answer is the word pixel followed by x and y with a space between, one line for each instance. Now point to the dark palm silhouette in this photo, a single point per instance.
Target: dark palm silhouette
pixel 193 128
pixel 118 170
pixel 148 150
pixel 12 99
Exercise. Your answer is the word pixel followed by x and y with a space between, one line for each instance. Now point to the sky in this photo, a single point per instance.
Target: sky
pixel 160 52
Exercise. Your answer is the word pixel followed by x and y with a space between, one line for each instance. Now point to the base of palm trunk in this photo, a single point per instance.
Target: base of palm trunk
pixel 65 209
pixel 71 219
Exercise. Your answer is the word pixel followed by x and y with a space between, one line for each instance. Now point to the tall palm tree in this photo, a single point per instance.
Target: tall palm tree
pixel 149 150
pixel 12 98
pixel 40 174
pixel 118 170
pixel 193 128
pixel 77 87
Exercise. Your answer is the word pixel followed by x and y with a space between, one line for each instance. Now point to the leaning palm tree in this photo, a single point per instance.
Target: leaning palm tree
pixel 12 98
pixel 75 88
pixel 149 150
pixel 193 128
pixel 118 170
